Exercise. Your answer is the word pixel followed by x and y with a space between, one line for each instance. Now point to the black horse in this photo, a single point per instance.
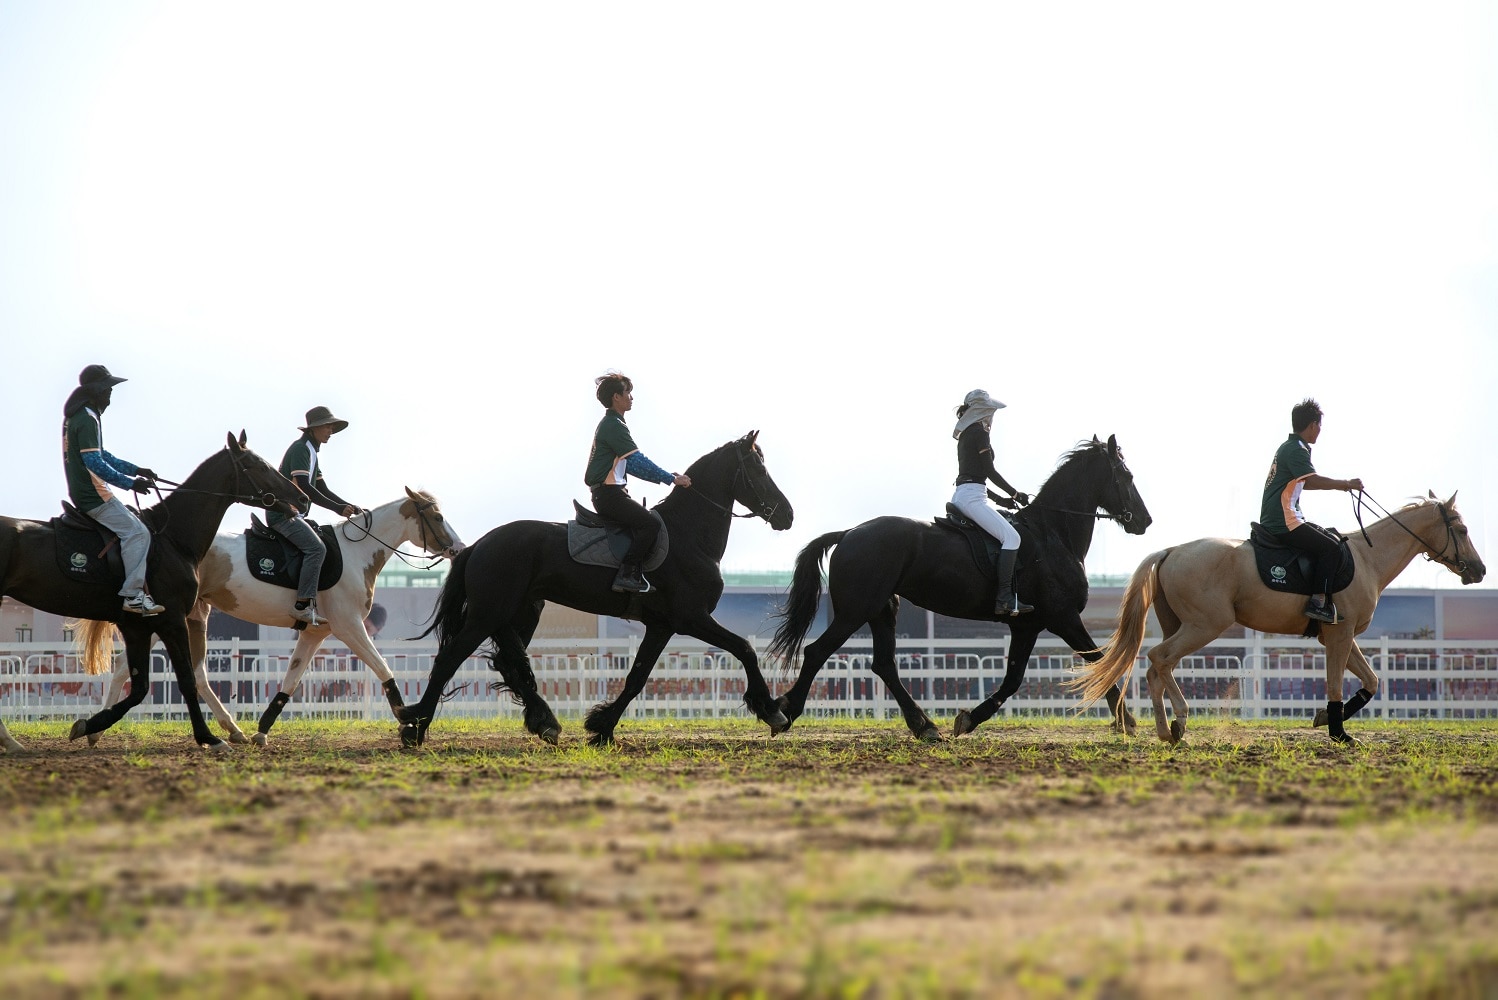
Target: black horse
pixel 182 526
pixel 886 558
pixel 498 586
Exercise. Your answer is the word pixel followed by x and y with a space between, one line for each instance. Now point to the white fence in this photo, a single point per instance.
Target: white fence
pixel 1253 678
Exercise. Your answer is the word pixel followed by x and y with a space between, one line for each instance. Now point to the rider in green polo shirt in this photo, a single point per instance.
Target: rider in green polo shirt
pixel 301 466
pixel 1289 474
pixel 614 456
pixel 91 471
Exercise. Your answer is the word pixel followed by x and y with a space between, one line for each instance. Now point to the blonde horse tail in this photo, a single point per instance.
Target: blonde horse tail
pixel 1121 651
pixel 95 643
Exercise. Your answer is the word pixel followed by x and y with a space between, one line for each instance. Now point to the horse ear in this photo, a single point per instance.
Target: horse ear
pixel 413 496
pixel 242 438
pixel 1095 440
pixel 1451 504
pixel 1112 444
pixel 233 445
pixel 752 436
pixel 1430 494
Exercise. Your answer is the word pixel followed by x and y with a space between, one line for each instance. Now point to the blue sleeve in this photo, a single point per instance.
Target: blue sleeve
pixel 98 463
pixel 640 467
pixel 128 468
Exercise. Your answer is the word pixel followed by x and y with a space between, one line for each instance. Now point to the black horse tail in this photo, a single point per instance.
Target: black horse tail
pixel 452 604
pixel 805 594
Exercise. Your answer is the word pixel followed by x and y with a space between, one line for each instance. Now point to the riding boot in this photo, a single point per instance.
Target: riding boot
pixel 630 580
pixel 1334 723
pixel 1008 603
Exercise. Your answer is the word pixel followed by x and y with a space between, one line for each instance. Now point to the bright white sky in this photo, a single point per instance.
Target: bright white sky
pixel 1167 222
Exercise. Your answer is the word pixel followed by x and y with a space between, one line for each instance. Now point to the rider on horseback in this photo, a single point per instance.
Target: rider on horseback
pixel 974 470
pixel 301 466
pixel 614 455
pixel 1289 473
pixel 91 471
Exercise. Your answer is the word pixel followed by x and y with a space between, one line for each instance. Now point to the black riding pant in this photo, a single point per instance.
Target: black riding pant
pixel 1321 544
pixel 615 503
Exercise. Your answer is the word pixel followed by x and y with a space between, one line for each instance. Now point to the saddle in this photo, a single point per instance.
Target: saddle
pixel 1289 570
pixel 272 559
pixel 86 550
pixel 594 540
pixel 983 546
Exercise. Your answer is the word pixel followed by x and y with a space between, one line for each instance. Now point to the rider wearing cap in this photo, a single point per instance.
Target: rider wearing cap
pixel 975 470
pixel 615 455
pixel 91 471
pixel 1289 473
pixel 302 467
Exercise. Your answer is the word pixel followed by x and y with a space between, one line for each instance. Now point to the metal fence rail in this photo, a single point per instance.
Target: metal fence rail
pixel 1256 677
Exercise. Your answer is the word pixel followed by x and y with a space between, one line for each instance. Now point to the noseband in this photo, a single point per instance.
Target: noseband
pixel 1458 565
pixel 766 510
pixel 422 520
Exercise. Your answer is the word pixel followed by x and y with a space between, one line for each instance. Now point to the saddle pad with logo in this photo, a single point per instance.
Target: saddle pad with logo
pixel 1289 570
pixel 274 560
pixel 596 545
pixel 84 555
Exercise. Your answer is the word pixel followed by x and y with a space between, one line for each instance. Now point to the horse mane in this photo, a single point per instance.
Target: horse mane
pixel 704 459
pixel 1083 451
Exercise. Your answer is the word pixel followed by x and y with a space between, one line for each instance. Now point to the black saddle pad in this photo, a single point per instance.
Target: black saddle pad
pixel 596 541
pixel 984 547
pixel 274 560
pixel 1289 570
pixel 86 550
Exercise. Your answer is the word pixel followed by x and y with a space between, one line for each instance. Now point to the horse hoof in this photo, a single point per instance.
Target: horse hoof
pixel 260 739
pixel 777 721
pixel 411 736
pixel 601 740
pixel 1320 719
pixel 217 747
pixel 930 734
pixel 80 728
pixel 963 724
pixel 1177 731
pixel 550 735
pixel 238 736
pixel 93 739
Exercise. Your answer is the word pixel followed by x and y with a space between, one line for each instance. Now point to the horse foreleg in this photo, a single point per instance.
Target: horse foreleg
pixel 1358 663
pixel 10 745
pixel 197 644
pixel 174 637
pixel 813 658
pixel 756 691
pixel 1021 644
pixel 882 628
pixel 603 717
pixel 1339 645
pixel 138 665
pixel 415 719
pixel 358 641
pixel 307 643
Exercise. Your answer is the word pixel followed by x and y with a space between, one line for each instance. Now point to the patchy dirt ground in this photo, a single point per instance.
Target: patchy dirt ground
pixel 702 859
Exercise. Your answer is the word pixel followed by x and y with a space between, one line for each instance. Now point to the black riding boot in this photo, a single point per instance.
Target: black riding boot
pixel 631 580
pixel 1008 602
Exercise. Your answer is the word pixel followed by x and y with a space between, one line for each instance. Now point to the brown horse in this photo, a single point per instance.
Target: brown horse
pixel 1201 588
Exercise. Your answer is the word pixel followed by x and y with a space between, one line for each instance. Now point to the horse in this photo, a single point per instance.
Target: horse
pixel 1202 587
pixel 884 559
pixel 225 582
pixel 182 527
pixel 498 586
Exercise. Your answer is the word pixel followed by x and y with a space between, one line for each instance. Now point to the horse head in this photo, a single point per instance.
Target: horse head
pixel 266 486
pixel 1455 551
pixel 433 532
pixel 755 489
pixel 1120 498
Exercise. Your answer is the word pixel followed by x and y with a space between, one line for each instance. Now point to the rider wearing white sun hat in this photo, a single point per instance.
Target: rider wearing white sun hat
pixel 975 470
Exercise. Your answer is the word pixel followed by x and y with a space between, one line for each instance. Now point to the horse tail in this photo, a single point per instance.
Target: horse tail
pixel 451 612
pixel 1121 651
pixel 801 602
pixel 95 644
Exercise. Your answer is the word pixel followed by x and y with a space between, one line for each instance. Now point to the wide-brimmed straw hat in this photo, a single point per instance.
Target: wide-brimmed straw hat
pixel 321 416
pixel 98 375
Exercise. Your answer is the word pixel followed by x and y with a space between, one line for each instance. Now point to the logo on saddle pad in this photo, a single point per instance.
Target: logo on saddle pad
pixel 1279 574
pixel 79 561
pixel 267 565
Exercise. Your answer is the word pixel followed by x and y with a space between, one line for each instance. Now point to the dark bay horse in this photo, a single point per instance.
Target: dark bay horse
pixel 498 586
pixel 887 558
pixel 182 526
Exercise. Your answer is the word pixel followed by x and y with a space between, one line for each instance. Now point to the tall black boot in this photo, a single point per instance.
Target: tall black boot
pixel 1008 603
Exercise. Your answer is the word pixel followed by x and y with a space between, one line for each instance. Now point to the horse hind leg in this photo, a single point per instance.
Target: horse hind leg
pixel 885 668
pixel 1161 678
pixel 10 745
pixel 116 690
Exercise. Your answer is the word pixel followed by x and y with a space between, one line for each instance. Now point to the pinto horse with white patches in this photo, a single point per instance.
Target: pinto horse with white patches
pixel 367 541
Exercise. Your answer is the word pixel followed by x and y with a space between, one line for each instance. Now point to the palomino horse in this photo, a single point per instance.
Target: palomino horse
pixel 1201 588
pixel 225 582
pixel 499 584
pixel 182 528
pixel 884 559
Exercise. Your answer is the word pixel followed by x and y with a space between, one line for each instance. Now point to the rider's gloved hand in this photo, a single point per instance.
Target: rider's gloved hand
pixel 1023 499
pixel 144 473
pixel 141 484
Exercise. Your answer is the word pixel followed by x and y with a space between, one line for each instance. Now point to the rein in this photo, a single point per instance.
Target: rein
pixel 421 513
pixel 266 499
pixel 1005 502
pixel 1458 566
pixel 766 511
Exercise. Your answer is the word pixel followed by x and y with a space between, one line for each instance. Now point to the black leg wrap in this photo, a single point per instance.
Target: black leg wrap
pixel 1355 703
pixel 273 710
pixel 1334 722
pixel 393 693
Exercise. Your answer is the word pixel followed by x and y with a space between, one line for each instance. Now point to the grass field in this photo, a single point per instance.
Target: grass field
pixel 1043 858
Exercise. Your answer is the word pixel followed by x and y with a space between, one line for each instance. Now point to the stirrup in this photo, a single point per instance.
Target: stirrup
pixel 308 615
pixel 1326 614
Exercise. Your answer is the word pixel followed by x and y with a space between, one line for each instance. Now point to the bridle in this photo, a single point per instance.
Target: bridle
pixel 1125 518
pixel 766 509
pixel 1457 565
pixel 422 520
pixel 266 498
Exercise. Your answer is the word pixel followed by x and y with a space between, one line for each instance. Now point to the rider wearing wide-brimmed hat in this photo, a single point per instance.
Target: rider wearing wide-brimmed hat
pixel 975 470
pixel 91 471
pixel 302 467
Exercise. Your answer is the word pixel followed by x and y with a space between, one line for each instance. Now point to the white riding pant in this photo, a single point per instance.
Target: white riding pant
pixel 135 542
pixel 972 500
